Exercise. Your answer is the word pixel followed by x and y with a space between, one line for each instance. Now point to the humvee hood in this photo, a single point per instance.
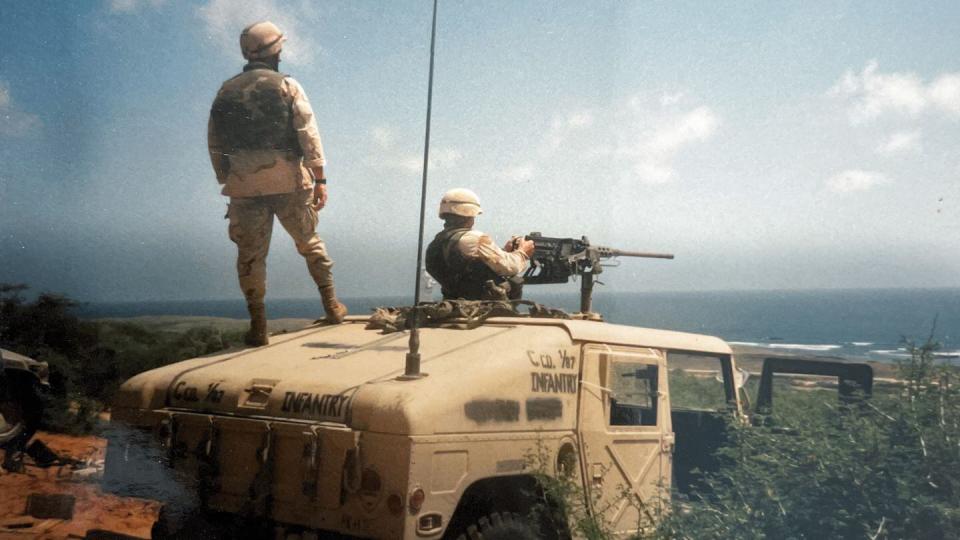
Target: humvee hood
pixel 508 373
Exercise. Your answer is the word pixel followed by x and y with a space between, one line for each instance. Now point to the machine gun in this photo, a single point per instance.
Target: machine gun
pixel 555 260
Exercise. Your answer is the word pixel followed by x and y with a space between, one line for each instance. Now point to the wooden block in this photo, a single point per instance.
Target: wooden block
pixel 50 505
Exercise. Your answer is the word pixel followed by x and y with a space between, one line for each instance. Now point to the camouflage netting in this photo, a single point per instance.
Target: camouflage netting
pixel 468 313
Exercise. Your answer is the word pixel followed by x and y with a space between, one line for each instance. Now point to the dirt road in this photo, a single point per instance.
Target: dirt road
pixel 94 509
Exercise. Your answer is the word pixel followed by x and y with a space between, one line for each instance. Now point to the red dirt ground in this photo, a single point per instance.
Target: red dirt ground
pixel 94 508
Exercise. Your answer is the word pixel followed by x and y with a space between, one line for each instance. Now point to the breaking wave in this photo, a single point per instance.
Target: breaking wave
pixel 801 347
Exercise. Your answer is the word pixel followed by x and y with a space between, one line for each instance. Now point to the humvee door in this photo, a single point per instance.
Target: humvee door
pixel 625 433
pixel 703 397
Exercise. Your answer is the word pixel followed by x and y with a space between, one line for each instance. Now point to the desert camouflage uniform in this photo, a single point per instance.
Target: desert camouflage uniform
pixel 475 245
pixel 262 136
pixel 469 265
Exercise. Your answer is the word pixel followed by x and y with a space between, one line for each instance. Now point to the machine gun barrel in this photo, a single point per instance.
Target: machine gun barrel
pixel 556 260
pixel 606 252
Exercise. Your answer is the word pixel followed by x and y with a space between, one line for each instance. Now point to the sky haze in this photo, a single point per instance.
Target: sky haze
pixel 768 145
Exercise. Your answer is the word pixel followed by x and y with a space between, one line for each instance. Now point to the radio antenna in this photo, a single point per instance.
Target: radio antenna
pixel 412 369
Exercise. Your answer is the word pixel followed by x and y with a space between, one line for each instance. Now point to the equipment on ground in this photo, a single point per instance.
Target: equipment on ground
pixel 22 381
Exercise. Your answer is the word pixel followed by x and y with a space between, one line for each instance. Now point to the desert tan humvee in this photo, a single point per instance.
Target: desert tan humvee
pixel 317 433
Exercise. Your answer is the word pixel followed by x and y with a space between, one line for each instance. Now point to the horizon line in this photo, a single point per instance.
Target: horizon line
pixel 571 293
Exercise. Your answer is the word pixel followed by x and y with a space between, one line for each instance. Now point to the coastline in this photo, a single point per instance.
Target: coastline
pixel 748 356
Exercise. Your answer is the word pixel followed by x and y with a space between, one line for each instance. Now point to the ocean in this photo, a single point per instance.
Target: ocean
pixel 858 323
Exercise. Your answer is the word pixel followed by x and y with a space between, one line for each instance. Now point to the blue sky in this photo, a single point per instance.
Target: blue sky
pixel 768 145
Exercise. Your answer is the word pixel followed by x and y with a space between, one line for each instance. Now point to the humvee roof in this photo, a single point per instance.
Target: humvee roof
pixel 346 374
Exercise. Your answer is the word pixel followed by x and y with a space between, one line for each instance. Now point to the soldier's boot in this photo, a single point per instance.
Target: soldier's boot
pixel 336 311
pixel 257 335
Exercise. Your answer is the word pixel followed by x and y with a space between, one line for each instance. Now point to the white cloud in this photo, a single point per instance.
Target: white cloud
pixel 131 6
pixel 870 93
pixel 854 180
pixel 945 92
pixel 14 122
pixel 225 19
pixel 641 137
pixel 654 152
pixel 901 143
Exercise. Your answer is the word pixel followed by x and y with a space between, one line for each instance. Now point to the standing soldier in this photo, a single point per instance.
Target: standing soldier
pixel 266 152
pixel 466 262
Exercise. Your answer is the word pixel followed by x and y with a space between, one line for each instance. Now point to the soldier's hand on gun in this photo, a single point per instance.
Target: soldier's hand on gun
pixel 521 243
pixel 526 246
pixel 319 196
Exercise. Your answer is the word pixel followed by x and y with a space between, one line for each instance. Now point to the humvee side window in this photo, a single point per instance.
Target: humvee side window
pixel 696 381
pixel 633 400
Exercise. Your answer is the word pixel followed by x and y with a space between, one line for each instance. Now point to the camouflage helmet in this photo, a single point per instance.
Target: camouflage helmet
pixel 460 202
pixel 261 40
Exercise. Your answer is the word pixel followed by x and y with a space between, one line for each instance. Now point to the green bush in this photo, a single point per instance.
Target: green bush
pixel 884 468
pixel 90 359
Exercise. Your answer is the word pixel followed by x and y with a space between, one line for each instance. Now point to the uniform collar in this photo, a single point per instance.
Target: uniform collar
pixel 257 65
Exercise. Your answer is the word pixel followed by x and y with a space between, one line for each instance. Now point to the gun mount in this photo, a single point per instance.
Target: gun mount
pixel 556 260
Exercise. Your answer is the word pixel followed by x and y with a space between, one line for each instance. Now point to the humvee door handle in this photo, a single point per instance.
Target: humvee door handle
pixel 597 474
pixel 668 442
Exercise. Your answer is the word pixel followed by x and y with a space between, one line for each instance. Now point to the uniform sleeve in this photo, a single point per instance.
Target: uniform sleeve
pixel 306 125
pixel 218 158
pixel 476 245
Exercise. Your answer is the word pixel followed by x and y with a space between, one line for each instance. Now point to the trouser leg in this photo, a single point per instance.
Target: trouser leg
pixel 300 221
pixel 251 224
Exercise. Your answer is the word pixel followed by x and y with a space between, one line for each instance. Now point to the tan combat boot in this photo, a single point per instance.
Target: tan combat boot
pixel 257 335
pixel 336 311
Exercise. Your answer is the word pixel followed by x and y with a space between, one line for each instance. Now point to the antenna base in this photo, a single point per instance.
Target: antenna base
pixel 412 369
pixel 411 377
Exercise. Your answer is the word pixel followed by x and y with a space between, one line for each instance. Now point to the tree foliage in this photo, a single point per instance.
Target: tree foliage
pixel 89 359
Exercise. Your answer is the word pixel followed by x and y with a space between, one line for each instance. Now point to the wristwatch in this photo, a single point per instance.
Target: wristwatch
pixel 321 181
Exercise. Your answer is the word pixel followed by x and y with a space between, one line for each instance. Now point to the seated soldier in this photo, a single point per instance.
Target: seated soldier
pixel 466 262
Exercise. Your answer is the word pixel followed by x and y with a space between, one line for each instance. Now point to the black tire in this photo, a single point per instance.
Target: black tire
pixel 173 525
pixel 500 526
pixel 195 524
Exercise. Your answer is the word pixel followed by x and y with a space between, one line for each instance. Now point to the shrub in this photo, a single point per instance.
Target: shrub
pixel 885 468
pixel 90 359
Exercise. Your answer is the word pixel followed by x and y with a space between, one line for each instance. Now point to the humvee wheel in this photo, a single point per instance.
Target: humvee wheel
pixel 500 526
pixel 195 524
